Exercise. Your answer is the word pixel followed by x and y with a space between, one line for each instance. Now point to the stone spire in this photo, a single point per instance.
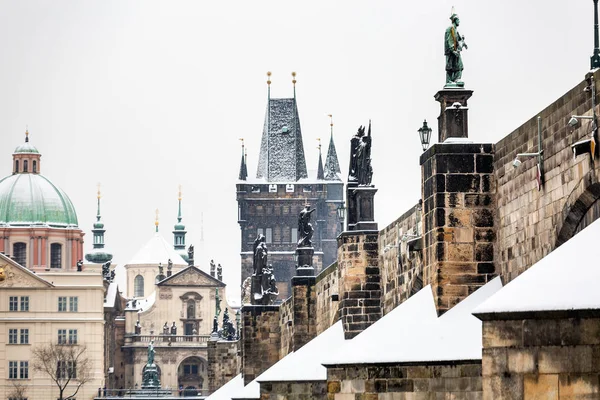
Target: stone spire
pixel 332 166
pixel 281 156
pixel 179 232
pixel 320 166
pixel 243 168
pixel 98 255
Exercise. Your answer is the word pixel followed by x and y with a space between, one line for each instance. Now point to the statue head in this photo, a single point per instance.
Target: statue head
pixel 361 131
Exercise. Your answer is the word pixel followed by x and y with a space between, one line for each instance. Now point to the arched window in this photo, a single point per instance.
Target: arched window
pixel 138 286
pixel 55 255
pixel 20 253
pixel 16 166
pixel 191 309
pixel 24 165
pixel 34 167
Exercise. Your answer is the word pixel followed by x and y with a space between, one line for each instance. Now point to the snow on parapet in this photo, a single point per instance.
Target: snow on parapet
pixel 566 279
pixel 412 332
pixel 227 390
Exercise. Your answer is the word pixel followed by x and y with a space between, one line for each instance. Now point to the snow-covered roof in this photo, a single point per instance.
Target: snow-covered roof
pixel 250 391
pixel 305 364
pixel 227 390
pixel 157 250
pixel 143 304
pixel 566 279
pixel 111 295
pixel 412 332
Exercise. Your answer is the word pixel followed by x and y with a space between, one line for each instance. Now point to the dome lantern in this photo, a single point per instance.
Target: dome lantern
pixel 26 158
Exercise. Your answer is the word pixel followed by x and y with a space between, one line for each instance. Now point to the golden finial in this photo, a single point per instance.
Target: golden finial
pixel 242 140
pixel 319 140
pixel 26 133
pixel 178 197
pixel 294 78
pixel 99 194
pixel 156 221
pixel 269 78
pixel 330 119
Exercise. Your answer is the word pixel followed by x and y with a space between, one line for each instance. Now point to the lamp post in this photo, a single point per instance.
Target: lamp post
pixel 425 135
pixel 595 59
pixel 341 214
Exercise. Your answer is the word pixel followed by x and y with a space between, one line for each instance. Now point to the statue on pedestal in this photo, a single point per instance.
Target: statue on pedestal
pixel 361 171
pixel 173 329
pixel 191 255
pixel 150 353
pixel 212 268
pixel 262 276
pixel 150 375
pixel 219 272
pixel 454 43
pixel 305 228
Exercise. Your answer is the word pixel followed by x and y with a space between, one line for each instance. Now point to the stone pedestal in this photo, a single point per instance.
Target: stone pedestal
pixel 453 120
pixel 361 208
pixel 150 378
pixel 261 336
pixel 304 267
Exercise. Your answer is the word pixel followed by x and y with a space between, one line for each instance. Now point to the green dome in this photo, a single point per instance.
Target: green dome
pixel 29 199
pixel 26 148
pixel 99 225
pixel 179 227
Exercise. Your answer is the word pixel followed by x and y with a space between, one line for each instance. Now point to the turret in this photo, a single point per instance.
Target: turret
pixel 332 166
pixel 26 158
pixel 98 255
pixel 179 232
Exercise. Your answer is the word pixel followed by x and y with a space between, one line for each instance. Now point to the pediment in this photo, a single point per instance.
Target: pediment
pixel 191 276
pixel 14 276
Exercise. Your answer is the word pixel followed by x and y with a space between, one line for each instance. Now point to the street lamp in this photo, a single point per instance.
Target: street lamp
pixel 425 135
pixel 341 214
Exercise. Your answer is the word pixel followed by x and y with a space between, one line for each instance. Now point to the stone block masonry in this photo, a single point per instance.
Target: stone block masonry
pixel 360 280
pixel 542 356
pixel 223 362
pixel 261 337
pixel 293 390
pixel 327 297
pixel 458 191
pixel 398 381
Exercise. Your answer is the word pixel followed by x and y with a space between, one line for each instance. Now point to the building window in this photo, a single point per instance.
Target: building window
pixel 269 235
pixel 34 166
pixel 24 370
pixel 16 166
pixel 62 336
pixel 12 336
pixel 260 231
pixel 72 336
pixel 24 303
pixel 13 303
pixel 25 166
pixel 294 235
pixel 66 369
pixel 190 369
pixel 73 306
pixel 191 309
pixel 55 255
pixel 20 253
pixel 138 286
pixel 13 369
pixel 24 336
pixel 62 304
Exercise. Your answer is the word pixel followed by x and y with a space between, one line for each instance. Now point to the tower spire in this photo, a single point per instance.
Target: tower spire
pixel 179 230
pixel 320 174
pixel 156 220
pixel 98 255
pixel 26 134
pixel 179 200
pixel 294 83
pixel 332 165
pixel 243 168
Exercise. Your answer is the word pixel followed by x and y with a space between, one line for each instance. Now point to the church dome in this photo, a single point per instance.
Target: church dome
pixel 31 199
pixel 26 148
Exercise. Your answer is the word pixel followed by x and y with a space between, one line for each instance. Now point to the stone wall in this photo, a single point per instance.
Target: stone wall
pixel 529 221
pixel 285 327
pixel 297 315
pixel 542 357
pixel 293 390
pixel 403 382
pixel 360 280
pixel 261 337
pixel 223 362
pixel 327 293
pixel 459 205
pixel 401 276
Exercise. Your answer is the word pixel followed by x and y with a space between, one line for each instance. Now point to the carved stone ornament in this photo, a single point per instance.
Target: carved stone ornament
pixel 190 277
pixel 11 276
pixel 165 294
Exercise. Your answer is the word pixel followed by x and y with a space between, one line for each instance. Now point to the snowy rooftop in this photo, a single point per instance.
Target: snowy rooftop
pixel 250 391
pixel 305 364
pixel 157 250
pixel 111 295
pixel 227 390
pixel 454 336
pixel 566 279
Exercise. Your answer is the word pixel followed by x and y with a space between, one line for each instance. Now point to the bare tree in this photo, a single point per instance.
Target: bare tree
pixel 18 391
pixel 64 364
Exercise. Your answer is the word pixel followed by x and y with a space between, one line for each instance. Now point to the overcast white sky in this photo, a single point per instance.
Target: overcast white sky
pixel 145 95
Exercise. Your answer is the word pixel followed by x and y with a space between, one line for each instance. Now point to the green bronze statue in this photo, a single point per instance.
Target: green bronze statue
pixel 454 43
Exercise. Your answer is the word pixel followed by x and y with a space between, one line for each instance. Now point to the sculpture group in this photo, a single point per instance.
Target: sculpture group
pixel 360 171
pixel 263 287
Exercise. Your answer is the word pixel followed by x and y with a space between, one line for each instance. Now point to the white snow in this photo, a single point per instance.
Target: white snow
pixel 250 391
pixel 111 295
pixel 145 304
pixel 225 392
pixel 566 279
pixel 305 364
pixel 412 332
pixel 157 250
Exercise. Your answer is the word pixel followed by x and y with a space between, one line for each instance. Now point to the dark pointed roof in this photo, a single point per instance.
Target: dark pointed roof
pixel 243 169
pixel 332 166
pixel 281 156
pixel 320 174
